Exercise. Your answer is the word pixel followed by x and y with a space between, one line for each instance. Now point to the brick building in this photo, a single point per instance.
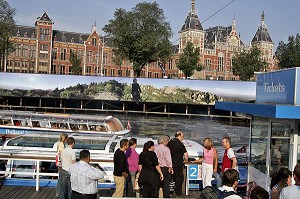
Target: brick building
pixel 41 49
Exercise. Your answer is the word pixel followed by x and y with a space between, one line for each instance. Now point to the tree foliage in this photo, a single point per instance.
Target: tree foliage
pixel 245 63
pixel 188 61
pixel 76 68
pixel 288 53
pixel 140 35
pixel 7 26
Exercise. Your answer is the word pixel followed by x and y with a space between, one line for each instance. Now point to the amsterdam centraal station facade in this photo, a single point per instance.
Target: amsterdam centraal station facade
pixel 42 49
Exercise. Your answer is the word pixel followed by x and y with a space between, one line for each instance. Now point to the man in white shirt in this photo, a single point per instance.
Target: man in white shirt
pixel 84 178
pixel 230 182
pixel 68 157
pixel 293 191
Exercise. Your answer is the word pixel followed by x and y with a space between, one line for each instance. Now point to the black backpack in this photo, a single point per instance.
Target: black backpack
pixel 215 193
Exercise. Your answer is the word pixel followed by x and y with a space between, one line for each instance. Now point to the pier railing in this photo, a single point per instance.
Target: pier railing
pixel 29 173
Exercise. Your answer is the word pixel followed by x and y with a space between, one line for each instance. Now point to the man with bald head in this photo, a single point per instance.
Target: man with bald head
pixel 179 157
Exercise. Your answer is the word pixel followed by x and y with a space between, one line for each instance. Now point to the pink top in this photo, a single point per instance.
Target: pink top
pixel 208 156
pixel 132 159
pixel 163 154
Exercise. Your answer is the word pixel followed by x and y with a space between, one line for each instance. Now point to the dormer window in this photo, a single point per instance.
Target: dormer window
pixel 18 33
pixel 25 34
pixel 80 39
pixel 63 37
pixel 72 40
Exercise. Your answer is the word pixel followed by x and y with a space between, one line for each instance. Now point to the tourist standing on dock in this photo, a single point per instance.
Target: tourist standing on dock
pixel 84 177
pixel 135 91
pixel 120 168
pixel 280 179
pixel 60 147
pixel 209 162
pixel 179 157
pixel 230 182
pixel 293 191
pixel 165 162
pixel 150 175
pixel 68 157
pixel 229 158
pixel 133 166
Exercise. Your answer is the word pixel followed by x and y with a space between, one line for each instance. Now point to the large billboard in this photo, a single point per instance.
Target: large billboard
pixel 121 88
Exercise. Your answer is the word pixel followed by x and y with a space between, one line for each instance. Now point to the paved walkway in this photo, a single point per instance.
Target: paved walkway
pixel 18 192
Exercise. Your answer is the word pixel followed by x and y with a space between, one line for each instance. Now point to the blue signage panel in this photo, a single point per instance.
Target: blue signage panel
pixel 276 87
pixel 194 172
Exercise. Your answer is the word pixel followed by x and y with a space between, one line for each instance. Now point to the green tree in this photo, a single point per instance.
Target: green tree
pixel 7 26
pixel 140 35
pixel 288 53
pixel 246 62
pixel 76 68
pixel 188 61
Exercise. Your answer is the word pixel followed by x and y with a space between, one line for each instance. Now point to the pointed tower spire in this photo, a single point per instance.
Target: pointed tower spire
pixel 94 28
pixel 193 6
pixel 262 33
pixel 234 24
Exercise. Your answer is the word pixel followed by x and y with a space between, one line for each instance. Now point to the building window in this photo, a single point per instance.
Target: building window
pixel 208 64
pixel 63 54
pixel 105 58
pixel 18 50
pixel 54 53
pixel 32 51
pixel 44 34
pixel 221 61
pixel 120 73
pixel 89 56
pixel 112 72
pixel 208 77
pixel 149 74
pixel 127 73
pixel 220 78
pixel 105 72
pixel 88 70
pixel 25 51
pixel 97 70
pixel 156 75
pixel 44 47
pixel 94 42
pixel 43 56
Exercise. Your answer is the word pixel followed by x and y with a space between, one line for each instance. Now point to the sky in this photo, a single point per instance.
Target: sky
pixel 281 16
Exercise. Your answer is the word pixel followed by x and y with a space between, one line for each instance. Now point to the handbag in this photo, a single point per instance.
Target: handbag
pixel 172 185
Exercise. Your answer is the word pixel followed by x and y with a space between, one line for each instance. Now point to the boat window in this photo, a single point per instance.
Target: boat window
pixel 112 147
pixel 45 142
pixel 90 144
pixel 6 122
pixel 59 125
pixel 74 127
pixel 114 124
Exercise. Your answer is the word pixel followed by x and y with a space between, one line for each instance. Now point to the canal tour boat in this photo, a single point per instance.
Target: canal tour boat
pixel 14 123
pixel 30 151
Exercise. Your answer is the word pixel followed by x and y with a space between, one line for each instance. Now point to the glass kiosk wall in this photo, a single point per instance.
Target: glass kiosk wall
pixel 269 148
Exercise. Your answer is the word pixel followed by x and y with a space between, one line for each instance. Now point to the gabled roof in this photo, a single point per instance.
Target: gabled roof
pixel 70 37
pixel 44 18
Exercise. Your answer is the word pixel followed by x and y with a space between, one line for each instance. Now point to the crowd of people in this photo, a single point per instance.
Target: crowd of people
pixel 149 173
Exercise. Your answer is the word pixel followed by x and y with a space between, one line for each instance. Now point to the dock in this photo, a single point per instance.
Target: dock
pixel 22 192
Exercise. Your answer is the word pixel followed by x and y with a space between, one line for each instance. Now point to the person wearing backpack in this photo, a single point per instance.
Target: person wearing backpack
pixel 229 182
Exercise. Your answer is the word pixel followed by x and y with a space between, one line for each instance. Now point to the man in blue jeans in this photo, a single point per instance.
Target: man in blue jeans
pixel 68 157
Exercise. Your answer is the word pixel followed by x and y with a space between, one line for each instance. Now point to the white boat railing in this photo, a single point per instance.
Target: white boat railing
pixel 36 173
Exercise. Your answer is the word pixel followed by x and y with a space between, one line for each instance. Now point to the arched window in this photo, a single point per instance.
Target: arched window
pixel 220 61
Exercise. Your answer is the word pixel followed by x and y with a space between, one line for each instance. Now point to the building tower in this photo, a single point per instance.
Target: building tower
pixel 44 33
pixel 264 42
pixel 192 31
